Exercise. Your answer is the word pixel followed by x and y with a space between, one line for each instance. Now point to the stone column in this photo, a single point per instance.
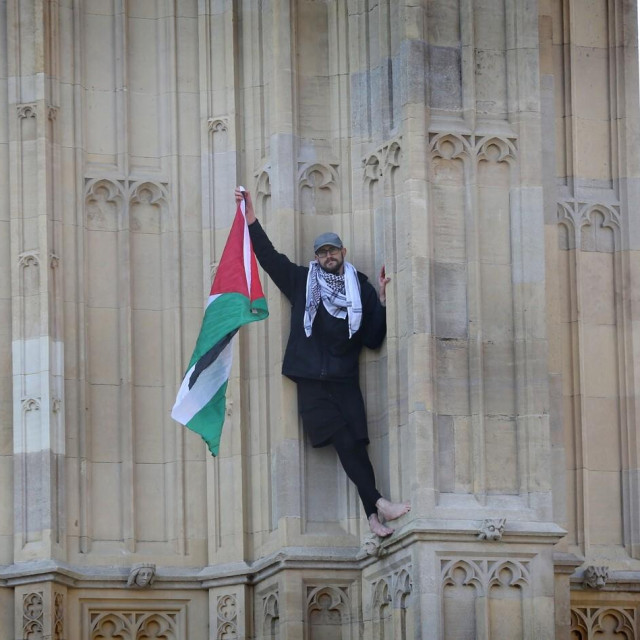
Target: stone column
pixel 38 395
pixel 468 389
pixel 218 118
pixel 38 392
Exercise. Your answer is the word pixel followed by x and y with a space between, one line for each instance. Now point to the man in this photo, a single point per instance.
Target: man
pixel 335 311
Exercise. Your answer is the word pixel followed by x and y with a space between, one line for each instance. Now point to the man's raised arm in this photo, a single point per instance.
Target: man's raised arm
pixel 280 269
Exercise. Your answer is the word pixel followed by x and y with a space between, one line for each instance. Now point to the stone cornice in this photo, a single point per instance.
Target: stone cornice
pixel 460 534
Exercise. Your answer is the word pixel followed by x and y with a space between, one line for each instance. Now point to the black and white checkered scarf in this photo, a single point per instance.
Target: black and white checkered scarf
pixel 340 295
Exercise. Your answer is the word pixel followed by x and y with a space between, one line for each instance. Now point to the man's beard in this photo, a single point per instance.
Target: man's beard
pixel 335 267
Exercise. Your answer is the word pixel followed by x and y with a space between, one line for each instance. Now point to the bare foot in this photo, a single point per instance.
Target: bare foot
pixel 378 528
pixel 392 510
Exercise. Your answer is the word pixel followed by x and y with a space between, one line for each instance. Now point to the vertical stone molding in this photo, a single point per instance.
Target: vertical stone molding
pixel 131 364
pixel 595 322
pixel 58 617
pixel 263 194
pixel 481 364
pixel 34 209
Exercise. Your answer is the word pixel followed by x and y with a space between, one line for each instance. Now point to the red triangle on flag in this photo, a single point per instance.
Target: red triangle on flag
pixel 231 276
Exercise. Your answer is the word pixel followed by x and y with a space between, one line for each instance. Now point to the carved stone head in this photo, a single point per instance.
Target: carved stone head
pixel 141 575
pixel 596 577
pixel 492 529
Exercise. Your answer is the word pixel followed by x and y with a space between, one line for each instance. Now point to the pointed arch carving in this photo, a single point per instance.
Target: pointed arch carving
pixel 604 622
pixel 33 614
pixel 449 146
pixel 382 593
pixel 263 193
pixel 227 613
pixel 27 110
pixel 462 573
pixel 508 573
pixel 318 188
pixel 148 203
pixel 383 161
pixel 496 149
pixel 146 191
pixel 218 125
pixel 327 605
pixel 270 615
pixel 403 588
pixel 126 620
pixel 29 259
pixel 589 225
pixel 104 200
pixel 30 404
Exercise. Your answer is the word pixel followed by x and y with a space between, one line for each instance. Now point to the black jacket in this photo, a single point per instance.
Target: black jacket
pixel 328 353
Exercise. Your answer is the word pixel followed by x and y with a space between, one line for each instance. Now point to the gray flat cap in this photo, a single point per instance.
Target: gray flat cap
pixel 328 238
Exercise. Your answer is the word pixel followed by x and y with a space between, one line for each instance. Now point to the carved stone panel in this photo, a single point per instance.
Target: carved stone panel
pixel 227 617
pixel 328 612
pixel 269 623
pixel 134 620
pixel 391 612
pixel 604 623
pixel 479 594
pixel 33 615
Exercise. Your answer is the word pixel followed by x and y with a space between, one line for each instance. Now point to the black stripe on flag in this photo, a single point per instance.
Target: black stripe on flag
pixel 210 357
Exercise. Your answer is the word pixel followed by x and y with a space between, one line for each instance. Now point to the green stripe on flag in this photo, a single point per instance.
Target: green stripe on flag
pixel 227 312
pixel 209 420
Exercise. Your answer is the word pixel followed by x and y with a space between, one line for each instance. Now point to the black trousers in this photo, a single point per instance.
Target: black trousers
pixel 334 413
pixel 357 465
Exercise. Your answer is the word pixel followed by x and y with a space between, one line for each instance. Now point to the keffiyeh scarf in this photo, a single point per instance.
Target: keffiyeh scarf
pixel 340 295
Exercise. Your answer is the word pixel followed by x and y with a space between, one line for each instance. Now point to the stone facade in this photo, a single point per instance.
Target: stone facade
pixel 487 152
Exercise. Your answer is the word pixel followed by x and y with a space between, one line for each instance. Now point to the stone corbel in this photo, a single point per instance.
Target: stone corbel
pixel 141 575
pixel 29 258
pixel 30 404
pixel 371 547
pixel 492 529
pixel 595 577
pixel 217 125
pixel 27 110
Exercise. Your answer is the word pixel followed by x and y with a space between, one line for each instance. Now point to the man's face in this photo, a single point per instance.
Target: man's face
pixel 331 259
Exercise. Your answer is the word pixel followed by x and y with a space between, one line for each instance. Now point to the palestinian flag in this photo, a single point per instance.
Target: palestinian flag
pixel 236 299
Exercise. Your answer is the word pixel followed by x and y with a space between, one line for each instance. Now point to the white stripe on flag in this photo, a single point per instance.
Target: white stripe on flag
pixel 190 401
pixel 246 246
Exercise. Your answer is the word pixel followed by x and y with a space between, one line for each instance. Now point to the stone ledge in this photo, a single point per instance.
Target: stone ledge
pixel 462 532
pixel 617 581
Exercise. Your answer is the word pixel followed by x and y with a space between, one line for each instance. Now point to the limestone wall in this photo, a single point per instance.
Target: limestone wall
pixel 485 152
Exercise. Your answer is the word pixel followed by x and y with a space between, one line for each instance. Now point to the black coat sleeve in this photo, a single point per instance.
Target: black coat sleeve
pixel 374 316
pixel 279 268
